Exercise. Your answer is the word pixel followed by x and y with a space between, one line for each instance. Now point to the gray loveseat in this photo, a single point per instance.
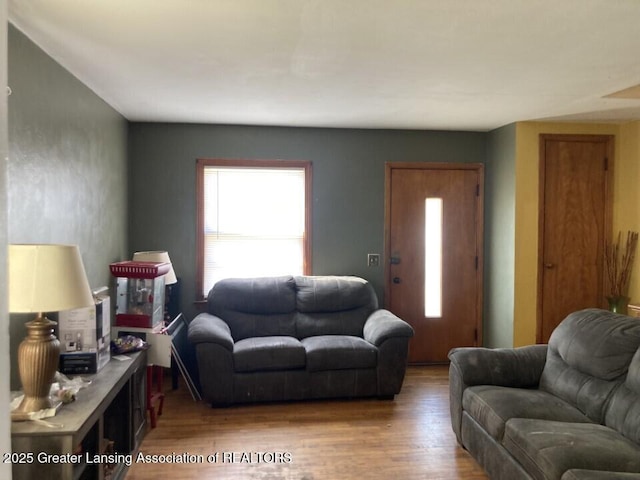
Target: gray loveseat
pixel 569 410
pixel 294 338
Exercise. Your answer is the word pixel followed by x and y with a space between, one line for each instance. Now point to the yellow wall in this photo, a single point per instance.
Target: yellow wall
pixel 626 203
pixel 626 215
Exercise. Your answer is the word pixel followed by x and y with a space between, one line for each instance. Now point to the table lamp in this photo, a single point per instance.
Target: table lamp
pixel 43 278
pixel 157 256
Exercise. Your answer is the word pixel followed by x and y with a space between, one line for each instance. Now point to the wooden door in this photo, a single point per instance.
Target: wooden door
pixel 575 223
pixel 453 280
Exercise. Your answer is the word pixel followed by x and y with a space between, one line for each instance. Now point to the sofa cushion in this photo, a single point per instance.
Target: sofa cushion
pixel 577 474
pixel 493 406
pixel 333 305
pixel 632 381
pixel 317 294
pixel 339 352
pixel 547 449
pixel 349 322
pixel 588 355
pixel 623 411
pixel 255 307
pixel 268 353
pixel 597 342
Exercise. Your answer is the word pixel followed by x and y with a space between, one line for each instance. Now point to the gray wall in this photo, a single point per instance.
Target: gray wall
pixel 67 170
pixel 348 185
pixel 5 363
pixel 72 180
pixel 499 237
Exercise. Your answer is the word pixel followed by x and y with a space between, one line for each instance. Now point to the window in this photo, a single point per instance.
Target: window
pixel 433 258
pixel 253 219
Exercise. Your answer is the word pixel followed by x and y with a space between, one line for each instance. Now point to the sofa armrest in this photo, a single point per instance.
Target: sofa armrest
pixel 213 344
pixel 390 335
pixel 507 367
pixel 207 328
pixel 382 325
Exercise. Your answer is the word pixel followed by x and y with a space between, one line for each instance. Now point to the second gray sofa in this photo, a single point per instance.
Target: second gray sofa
pixel 566 411
pixel 294 338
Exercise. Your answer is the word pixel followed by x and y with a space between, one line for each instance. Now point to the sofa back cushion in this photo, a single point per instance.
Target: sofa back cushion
pixel 588 357
pixel 333 305
pixel 623 412
pixel 255 307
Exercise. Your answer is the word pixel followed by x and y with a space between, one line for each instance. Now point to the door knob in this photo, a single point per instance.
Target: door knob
pixel 549 265
pixel 395 260
pixel 396 280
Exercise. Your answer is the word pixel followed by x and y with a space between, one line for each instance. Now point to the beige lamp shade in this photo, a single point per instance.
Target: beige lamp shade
pixel 158 256
pixel 43 278
pixel 47 278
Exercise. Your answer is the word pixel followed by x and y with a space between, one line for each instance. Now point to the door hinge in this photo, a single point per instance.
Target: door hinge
pixel 475 336
pixel 477 189
pixel 476 262
pixel 606 164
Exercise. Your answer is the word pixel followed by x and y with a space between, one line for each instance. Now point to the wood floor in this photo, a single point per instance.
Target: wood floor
pixel 407 438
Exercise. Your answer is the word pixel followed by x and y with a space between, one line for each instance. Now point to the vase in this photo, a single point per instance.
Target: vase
pixel 618 304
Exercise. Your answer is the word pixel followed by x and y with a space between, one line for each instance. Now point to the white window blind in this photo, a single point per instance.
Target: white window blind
pixel 254 222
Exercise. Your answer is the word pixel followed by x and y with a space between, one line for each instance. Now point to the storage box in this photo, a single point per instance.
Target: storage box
pixel 85 337
pixel 159 342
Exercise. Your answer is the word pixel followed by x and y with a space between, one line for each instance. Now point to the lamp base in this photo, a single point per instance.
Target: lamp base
pixel 33 404
pixel 38 357
pixel 23 416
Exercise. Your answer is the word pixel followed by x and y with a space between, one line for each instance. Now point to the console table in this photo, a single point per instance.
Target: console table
pixel 108 416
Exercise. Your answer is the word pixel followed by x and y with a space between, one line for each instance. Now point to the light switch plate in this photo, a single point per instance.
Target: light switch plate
pixel 373 260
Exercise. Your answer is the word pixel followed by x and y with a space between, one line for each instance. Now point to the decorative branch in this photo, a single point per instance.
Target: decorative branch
pixel 619 267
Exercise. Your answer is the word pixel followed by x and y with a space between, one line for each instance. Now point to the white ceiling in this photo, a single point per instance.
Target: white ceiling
pixel 418 64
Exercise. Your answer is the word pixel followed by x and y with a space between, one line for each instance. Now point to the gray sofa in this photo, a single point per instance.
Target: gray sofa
pixel 569 410
pixel 295 338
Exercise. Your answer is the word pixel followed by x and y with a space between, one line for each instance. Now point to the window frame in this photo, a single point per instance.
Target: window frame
pixel 202 163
